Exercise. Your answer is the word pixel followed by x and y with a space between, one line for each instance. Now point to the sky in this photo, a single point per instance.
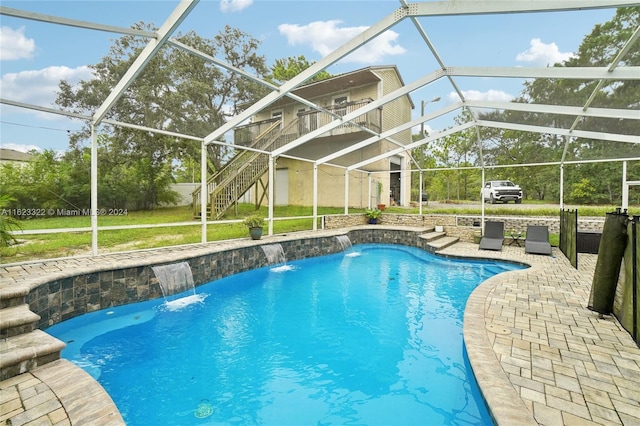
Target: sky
pixel 35 56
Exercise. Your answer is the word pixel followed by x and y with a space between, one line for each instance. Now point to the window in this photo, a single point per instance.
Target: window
pixel 278 114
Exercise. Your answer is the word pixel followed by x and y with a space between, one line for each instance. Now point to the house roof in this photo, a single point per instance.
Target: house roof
pixel 13 155
pixel 342 83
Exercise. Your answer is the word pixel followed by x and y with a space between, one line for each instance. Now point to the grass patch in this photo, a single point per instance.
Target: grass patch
pixel 46 246
pixel 149 217
pixel 500 210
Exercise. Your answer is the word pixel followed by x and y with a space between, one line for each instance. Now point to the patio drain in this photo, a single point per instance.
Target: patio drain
pixel 497 329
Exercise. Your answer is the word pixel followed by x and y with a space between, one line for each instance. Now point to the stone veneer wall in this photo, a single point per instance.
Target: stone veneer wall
pixel 65 298
pixel 463 227
pixel 519 223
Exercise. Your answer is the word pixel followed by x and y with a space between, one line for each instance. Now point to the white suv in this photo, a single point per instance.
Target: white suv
pixel 501 190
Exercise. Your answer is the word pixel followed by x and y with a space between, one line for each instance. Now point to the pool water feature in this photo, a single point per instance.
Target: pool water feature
pixel 176 282
pixel 372 339
pixel 274 253
pixel 346 245
pixel 174 278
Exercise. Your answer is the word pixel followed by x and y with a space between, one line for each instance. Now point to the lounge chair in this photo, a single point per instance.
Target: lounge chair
pixel 493 236
pixel 537 240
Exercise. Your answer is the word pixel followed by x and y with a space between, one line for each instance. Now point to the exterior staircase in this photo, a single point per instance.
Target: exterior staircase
pixel 243 171
pixel 23 347
pixel 438 240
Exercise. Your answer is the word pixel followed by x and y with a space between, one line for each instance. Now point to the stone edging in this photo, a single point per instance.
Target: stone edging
pixel 505 405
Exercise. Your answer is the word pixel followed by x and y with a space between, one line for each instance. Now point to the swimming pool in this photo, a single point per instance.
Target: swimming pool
pixel 374 338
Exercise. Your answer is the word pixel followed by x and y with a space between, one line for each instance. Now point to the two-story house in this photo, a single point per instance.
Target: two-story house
pixel 385 181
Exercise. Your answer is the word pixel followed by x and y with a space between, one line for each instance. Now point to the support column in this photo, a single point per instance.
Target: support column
pixel 561 186
pixel 346 191
pixel 272 180
pixel 204 192
pixel 482 202
pixel 369 192
pixel 94 191
pixel 625 187
pixel 315 197
pixel 420 194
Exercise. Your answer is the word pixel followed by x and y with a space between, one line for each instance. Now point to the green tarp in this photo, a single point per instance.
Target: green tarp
pixel 569 235
pixel 610 254
pixel 627 310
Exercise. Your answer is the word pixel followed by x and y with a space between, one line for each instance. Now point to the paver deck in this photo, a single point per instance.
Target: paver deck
pixel 540 356
pixel 530 335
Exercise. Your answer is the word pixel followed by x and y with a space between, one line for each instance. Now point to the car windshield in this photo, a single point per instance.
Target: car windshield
pixel 505 183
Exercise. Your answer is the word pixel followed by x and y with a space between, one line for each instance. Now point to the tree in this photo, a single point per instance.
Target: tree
pixel 176 91
pixel 286 68
pixel 456 151
pixel 37 184
pixel 424 160
pixel 593 183
pixel 516 147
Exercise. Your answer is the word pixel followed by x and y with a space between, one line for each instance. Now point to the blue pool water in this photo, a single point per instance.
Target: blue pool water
pixel 369 337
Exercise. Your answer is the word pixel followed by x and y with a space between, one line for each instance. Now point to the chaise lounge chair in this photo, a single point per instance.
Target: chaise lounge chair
pixel 537 240
pixel 493 236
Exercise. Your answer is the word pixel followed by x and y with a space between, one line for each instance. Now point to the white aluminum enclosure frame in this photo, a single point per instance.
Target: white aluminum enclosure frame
pixel 411 11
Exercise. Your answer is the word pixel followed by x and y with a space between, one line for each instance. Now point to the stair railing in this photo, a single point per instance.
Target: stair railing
pixel 232 166
pixel 248 169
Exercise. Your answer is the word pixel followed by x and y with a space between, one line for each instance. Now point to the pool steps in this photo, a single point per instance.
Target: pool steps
pixel 438 240
pixel 17 320
pixel 23 347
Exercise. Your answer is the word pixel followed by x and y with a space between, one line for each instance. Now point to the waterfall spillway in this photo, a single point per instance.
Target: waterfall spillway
pixel 174 278
pixel 347 247
pixel 344 241
pixel 274 253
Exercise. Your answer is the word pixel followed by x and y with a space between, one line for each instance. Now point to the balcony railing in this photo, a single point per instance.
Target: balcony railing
pixel 309 121
pixel 247 134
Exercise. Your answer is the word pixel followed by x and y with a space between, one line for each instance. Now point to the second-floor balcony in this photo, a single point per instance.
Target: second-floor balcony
pixel 309 121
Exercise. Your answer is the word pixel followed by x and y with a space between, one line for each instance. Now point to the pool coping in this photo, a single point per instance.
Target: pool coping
pixel 505 405
pixel 57 393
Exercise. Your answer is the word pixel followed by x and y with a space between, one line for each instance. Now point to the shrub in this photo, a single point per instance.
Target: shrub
pixel 7 222
pixel 254 221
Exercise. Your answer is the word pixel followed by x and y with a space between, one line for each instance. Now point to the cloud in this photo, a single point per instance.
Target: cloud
pixel 476 95
pixel 427 130
pixel 229 6
pixel 542 54
pixel 39 87
pixel 20 147
pixel 15 45
pixel 326 36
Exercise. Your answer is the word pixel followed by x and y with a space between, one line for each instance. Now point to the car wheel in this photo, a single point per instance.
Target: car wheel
pixel 491 199
pixel 519 201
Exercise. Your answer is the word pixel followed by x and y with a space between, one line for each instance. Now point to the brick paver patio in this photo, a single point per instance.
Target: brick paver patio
pixel 567 365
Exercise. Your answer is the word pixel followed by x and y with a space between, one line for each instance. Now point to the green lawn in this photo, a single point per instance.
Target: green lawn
pixel 46 246
pixel 69 243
